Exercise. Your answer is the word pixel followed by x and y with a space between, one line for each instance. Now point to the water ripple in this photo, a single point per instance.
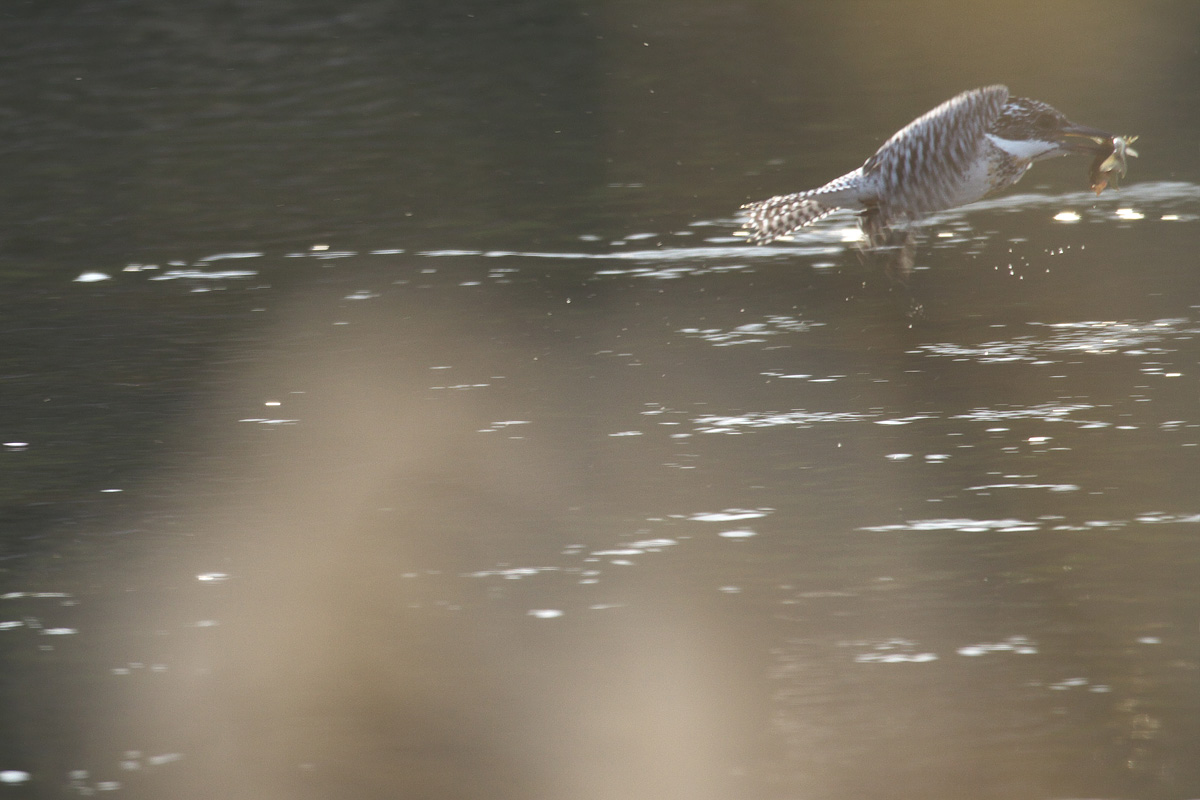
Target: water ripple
pixel 1095 337
pixel 771 419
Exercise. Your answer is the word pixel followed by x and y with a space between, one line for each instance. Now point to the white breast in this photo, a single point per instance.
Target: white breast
pixel 1024 149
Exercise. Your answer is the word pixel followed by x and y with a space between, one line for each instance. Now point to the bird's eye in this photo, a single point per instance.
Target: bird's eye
pixel 1045 120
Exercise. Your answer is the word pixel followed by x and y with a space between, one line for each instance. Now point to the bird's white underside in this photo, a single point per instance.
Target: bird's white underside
pixel 1024 149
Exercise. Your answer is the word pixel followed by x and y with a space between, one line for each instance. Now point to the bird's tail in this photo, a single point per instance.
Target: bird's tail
pixel 769 219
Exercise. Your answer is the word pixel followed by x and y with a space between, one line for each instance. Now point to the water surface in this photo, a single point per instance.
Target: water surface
pixel 390 410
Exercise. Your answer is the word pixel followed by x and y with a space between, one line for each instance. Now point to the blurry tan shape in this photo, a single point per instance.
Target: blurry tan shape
pixel 334 676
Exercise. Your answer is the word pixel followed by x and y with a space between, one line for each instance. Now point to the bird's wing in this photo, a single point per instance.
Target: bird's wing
pixel 923 162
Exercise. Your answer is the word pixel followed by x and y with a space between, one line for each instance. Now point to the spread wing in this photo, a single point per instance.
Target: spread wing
pixel 925 161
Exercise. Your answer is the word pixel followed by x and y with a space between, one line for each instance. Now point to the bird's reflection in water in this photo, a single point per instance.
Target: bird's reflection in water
pixel 893 248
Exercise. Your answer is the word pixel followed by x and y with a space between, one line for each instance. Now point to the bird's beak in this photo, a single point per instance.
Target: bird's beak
pixel 1082 139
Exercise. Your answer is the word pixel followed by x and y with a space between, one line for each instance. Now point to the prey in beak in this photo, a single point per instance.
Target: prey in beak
pixel 1109 152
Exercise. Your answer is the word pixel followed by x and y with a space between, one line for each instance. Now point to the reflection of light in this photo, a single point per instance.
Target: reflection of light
pixel 545 613
pixel 1129 213
pixel 730 515
pixel 737 534
pixel 1066 216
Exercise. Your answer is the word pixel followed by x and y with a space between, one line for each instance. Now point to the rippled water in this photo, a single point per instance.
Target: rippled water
pixel 575 494
pixel 444 485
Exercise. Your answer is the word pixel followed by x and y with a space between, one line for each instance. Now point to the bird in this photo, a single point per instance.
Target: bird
pixel 973 145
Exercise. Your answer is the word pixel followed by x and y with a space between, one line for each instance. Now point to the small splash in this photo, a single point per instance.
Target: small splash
pixel 228 256
pixel 1013 644
pixel 903 420
pixel 653 545
pixel 1052 487
pixel 459 387
pixel 1156 517
pixel 511 574
pixel 960 525
pixel 895 658
pixel 165 758
pixel 501 425
pixel 891 651
pixel 752 332
pixel 1093 337
pixel 774 419
pixel 730 515
pixel 1048 412
pixel 198 274
pixel 544 613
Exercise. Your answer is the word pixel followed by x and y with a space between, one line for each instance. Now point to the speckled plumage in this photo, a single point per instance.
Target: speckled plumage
pixel 976 143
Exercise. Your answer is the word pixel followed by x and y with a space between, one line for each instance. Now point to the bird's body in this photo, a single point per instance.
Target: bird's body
pixel 971 146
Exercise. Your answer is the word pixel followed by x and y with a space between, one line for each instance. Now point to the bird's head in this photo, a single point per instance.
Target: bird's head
pixel 1033 130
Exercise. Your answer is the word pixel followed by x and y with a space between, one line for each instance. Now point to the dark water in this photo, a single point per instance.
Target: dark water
pixel 389 411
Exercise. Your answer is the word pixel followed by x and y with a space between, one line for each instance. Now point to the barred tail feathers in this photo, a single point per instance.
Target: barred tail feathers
pixel 767 220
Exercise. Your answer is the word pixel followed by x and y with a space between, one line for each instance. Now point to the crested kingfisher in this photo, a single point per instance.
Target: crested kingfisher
pixel 971 146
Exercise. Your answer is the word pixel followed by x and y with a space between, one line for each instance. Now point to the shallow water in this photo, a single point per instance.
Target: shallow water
pixel 601 502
